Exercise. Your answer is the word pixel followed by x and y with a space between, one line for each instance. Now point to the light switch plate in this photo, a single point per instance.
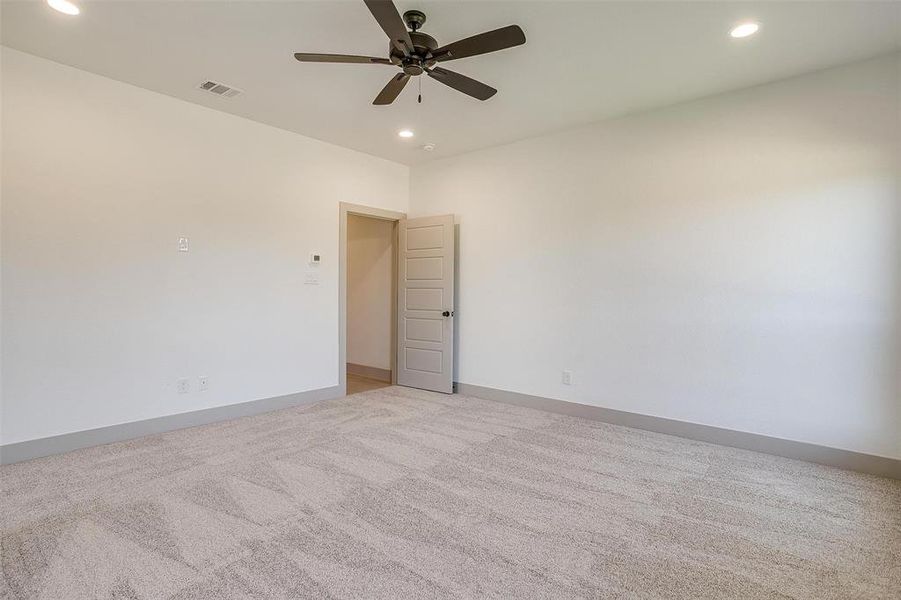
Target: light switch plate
pixel 183 244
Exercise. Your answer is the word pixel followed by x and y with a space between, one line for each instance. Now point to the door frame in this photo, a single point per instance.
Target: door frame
pixel 345 209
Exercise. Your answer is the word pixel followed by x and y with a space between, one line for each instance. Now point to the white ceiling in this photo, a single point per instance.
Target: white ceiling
pixel 583 61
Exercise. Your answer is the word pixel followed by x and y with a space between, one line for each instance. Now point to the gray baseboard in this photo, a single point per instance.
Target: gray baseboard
pixel 369 372
pixel 11 453
pixel 882 466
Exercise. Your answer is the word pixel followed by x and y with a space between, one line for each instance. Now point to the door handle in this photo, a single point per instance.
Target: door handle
pixel 447 313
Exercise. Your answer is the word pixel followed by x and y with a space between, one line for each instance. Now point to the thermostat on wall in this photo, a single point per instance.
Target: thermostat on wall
pixel 315 258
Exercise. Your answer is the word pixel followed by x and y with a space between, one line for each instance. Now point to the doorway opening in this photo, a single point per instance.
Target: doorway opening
pixel 370 310
pixel 418 299
pixel 368 280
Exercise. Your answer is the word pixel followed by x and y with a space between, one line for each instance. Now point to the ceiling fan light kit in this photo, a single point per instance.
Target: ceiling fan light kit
pixel 416 53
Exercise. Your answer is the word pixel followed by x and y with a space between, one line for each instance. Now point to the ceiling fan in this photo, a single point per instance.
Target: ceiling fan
pixel 417 53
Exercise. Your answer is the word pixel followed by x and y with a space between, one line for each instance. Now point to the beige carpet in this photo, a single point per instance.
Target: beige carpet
pixel 397 493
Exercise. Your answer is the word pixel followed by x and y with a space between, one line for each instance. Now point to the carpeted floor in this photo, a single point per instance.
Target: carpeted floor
pixel 398 493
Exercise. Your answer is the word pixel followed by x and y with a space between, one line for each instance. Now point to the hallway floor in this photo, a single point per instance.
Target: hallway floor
pixel 358 383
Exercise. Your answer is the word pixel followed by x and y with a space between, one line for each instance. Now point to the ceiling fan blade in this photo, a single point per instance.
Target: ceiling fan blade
pixel 490 41
pixel 392 89
pixel 462 83
pixel 389 19
pixel 340 58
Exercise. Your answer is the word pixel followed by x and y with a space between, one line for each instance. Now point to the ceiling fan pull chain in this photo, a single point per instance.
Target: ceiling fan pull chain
pixel 420 90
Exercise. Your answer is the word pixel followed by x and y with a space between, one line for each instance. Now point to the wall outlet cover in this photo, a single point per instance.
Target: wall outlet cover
pixel 567 378
pixel 183 386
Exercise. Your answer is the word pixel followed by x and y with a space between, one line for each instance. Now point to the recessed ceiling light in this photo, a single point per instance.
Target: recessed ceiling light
pixel 64 6
pixel 743 30
pixel 405 133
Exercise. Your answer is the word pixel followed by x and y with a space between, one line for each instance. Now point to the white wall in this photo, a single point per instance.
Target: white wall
pixel 733 261
pixel 369 290
pixel 101 315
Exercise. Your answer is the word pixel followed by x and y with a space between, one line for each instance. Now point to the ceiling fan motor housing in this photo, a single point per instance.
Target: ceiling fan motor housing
pixel 423 44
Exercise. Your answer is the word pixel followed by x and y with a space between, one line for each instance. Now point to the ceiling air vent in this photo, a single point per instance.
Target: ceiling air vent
pixel 219 89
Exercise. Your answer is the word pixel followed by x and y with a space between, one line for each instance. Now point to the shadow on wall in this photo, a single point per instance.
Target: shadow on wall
pixel 895 366
pixel 456 302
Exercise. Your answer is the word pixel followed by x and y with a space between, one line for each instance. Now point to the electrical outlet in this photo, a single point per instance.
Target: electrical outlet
pixel 203 383
pixel 183 386
pixel 183 244
pixel 567 378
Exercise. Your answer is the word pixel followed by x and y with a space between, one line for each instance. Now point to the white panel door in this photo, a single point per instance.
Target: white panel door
pixel 425 303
